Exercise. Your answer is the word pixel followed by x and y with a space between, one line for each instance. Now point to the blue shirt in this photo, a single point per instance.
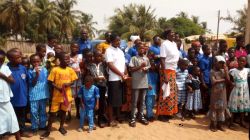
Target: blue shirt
pixel 155 49
pixel 19 87
pixel 183 54
pixel 199 56
pixel 133 51
pixel 153 80
pixel 41 89
pixel 205 66
pixel 89 96
pixel 127 58
pixel 84 44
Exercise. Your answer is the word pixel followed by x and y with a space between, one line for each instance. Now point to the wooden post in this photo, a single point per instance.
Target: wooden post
pixel 247 36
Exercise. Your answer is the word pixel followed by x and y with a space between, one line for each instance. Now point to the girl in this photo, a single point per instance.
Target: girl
pixel 218 99
pixel 239 98
pixel 8 118
pixel 232 60
pixel 194 103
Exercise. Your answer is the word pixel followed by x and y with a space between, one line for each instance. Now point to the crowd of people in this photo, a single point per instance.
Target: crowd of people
pixel 107 83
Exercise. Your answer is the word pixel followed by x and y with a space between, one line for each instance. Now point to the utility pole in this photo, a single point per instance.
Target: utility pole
pixel 247 36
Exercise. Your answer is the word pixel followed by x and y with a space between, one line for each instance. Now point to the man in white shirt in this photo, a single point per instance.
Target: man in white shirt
pixel 115 59
pixel 50 46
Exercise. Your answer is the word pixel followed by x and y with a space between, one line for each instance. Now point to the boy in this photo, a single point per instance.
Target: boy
pixel 19 87
pixel 139 66
pixel 8 118
pixel 41 52
pixel 89 98
pixel 38 93
pixel 61 78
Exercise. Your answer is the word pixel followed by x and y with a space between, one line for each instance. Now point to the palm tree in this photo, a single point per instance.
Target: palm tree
pixel 14 15
pixel 195 19
pixel 182 14
pixel 67 17
pixel 86 21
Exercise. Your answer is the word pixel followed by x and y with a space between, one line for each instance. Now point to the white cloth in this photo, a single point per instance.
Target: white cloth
pixel 75 61
pixel 5 90
pixel 170 52
pixel 116 56
pixel 48 50
pixel 166 90
pixel 8 118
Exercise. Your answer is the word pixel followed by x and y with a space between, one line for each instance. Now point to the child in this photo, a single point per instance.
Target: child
pixel 153 81
pixel 232 60
pixel 194 102
pixel 98 71
pixel 8 119
pixel 38 93
pixel 181 76
pixel 19 87
pixel 139 66
pixel 239 97
pixel 26 62
pixel 61 79
pixel 89 98
pixel 75 60
pixel 41 51
pixel 218 101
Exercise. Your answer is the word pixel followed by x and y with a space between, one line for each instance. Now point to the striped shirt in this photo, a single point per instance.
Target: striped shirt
pixel 41 89
pixel 181 77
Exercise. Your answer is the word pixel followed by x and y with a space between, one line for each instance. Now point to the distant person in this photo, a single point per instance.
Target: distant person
pixel 155 48
pixel 240 49
pixel 197 46
pixel 84 41
pixel 183 54
pixel 223 49
pixel 133 50
pixel 52 40
pixel 41 51
pixel 104 45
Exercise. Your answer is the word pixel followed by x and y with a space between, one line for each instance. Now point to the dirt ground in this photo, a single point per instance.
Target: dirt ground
pixel 188 130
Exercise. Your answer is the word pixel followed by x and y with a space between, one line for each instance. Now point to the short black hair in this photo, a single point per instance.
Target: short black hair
pixel 51 36
pixel 191 49
pixel 113 37
pixel 204 47
pixel 34 55
pixel 11 52
pixel 239 38
pixel 155 37
pixel 61 55
pixel 166 32
pixel 192 68
pixel 2 52
pixel 88 78
pixel 40 46
pixel 85 51
pixel 222 41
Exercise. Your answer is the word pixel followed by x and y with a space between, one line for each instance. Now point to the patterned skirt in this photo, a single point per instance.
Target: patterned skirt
pixel 168 106
pixel 194 101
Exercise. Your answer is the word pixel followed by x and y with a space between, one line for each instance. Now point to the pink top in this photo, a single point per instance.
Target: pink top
pixel 240 52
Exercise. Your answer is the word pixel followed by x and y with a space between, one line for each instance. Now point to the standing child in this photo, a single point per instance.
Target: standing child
pixel 239 97
pixel 75 60
pixel 19 87
pixel 218 101
pixel 38 93
pixel 232 60
pixel 153 81
pixel 89 98
pixel 98 71
pixel 194 102
pixel 8 118
pixel 61 79
pixel 181 76
pixel 41 51
pixel 139 66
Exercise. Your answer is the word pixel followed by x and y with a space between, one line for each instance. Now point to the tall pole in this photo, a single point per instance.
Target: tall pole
pixel 247 35
pixel 218 27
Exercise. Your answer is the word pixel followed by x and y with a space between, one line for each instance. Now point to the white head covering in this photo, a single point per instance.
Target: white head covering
pixel 134 37
pixel 220 58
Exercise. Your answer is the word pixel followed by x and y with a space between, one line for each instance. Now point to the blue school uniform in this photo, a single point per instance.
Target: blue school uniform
pixel 205 65
pixel 38 95
pixel 153 79
pixel 88 97
pixel 133 51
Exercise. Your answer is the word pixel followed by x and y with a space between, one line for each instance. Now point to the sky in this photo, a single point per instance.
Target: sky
pixel 207 10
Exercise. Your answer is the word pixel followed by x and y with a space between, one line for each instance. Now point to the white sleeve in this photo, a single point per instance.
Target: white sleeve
pixel 131 63
pixel 7 71
pixel 108 56
pixel 163 51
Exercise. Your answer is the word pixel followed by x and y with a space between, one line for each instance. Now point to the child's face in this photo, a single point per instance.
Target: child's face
pixel 74 48
pixel 196 71
pixel 88 84
pixel 141 50
pixel 207 51
pixel 2 59
pixel 89 57
pixel 49 55
pixel 184 66
pixel 58 49
pixel 15 58
pixel 194 61
pixel 35 61
pixel 65 60
pixel 42 52
pixel 242 62
pixel 25 62
pixel 98 57
pixel 191 53
pixel 219 65
pixel 231 53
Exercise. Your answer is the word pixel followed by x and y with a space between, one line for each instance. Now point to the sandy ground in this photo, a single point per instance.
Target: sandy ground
pixel 191 130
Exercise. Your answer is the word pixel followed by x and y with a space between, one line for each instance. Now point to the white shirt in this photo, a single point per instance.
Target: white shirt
pixel 170 52
pixel 5 90
pixel 48 50
pixel 116 56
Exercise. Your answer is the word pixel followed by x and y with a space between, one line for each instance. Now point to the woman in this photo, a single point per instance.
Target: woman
pixel 240 49
pixel 169 58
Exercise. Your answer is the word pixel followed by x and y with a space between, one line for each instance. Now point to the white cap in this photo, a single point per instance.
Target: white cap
pixel 134 37
pixel 220 58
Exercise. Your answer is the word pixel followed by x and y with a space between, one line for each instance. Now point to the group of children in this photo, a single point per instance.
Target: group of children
pixel 58 79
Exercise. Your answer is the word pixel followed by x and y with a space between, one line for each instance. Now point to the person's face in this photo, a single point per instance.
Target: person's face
pixel 157 41
pixel 231 53
pixel 42 52
pixel 197 71
pixel 194 61
pixel 88 84
pixel 16 58
pixel 2 59
pixel 207 51
pixel 74 48
pixel 116 42
pixel 98 57
pixel 84 35
pixel 89 57
pixel 240 43
pixel 242 62
pixel 66 60
pixel 184 66
pixel 221 64
pixel 52 42
pixel 35 61
pixel 171 36
pixel 138 42
pixel 141 50
pixel 25 62
pixel 197 48
pixel 223 47
pixel 191 53
pixel 58 49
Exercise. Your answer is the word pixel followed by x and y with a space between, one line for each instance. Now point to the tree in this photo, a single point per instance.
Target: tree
pixel 134 19
pixel 13 15
pixel 182 14
pixel 86 21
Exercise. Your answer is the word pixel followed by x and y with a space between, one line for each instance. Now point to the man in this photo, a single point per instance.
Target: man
pixel 104 45
pixel 84 42
pixel 197 46
pixel 133 50
pixel 51 44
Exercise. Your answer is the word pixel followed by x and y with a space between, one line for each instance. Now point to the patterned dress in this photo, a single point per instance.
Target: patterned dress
pixel 239 97
pixel 194 99
pixel 181 77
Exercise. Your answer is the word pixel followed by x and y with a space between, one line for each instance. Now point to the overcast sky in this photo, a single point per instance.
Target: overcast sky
pixel 207 10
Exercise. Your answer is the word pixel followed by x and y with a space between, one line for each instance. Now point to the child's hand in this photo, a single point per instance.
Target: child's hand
pixel 143 64
pixel 149 87
pixel 37 69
